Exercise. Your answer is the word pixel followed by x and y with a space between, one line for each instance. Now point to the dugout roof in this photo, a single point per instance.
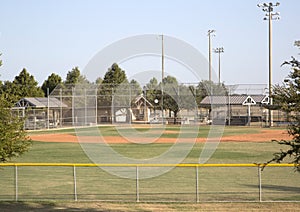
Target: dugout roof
pixel 234 100
pixel 40 102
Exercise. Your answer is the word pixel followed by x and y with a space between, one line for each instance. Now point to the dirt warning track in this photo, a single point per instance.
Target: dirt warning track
pixel 263 136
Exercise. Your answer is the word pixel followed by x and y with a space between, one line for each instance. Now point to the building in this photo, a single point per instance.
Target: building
pixel 40 112
pixel 235 109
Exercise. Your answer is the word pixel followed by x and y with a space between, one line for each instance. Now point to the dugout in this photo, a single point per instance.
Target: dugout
pixel 40 112
pixel 240 110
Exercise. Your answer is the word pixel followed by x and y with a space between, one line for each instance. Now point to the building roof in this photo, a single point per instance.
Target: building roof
pixel 40 102
pixel 235 100
pixel 141 101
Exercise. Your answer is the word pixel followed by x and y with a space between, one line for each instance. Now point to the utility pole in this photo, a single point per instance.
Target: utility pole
pixel 162 59
pixel 209 34
pixel 219 50
pixel 162 76
pixel 268 8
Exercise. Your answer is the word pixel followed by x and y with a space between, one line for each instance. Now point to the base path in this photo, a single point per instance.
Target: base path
pixel 263 136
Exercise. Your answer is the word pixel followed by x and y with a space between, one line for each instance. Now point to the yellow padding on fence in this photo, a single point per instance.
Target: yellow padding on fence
pixel 150 165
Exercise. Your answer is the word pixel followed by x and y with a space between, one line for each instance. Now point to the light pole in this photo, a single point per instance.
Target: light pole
pixel 219 50
pixel 209 34
pixel 270 15
pixel 162 59
pixel 162 75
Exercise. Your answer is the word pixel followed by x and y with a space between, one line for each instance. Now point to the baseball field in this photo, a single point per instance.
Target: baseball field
pixel 231 188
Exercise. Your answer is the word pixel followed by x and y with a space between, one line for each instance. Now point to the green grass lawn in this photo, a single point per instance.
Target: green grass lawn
pixel 151 131
pixel 179 184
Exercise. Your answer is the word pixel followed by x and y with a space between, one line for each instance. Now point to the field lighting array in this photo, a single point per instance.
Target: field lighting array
pixel 219 50
pixel 270 15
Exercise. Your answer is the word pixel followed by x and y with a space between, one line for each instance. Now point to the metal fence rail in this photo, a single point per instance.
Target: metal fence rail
pixel 184 183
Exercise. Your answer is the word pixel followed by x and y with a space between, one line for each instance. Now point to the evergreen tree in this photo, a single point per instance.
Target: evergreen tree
pixel 287 98
pixel 50 83
pixel 135 88
pixel 74 77
pixel 114 85
pixel 24 85
pixel 13 139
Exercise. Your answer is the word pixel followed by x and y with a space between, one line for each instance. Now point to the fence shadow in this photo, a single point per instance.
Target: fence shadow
pixel 277 188
pixel 47 207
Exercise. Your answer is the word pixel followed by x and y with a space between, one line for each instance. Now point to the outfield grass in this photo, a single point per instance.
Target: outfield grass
pixel 117 131
pixel 215 183
pixel 229 152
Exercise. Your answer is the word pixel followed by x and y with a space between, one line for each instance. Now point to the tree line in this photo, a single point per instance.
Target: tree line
pixel 25 85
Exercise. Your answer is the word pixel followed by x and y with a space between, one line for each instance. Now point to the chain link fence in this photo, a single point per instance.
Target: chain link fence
pixel 89 105
pixel 184 183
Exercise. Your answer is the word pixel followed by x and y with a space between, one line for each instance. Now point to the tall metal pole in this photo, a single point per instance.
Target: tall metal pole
pixel 162 59
pixel 270 69
pixel 219 51
pixel 219 75
pixel 270 15
pixel 73 106
pixel 60 115
pixel 210 33
pixel 162 76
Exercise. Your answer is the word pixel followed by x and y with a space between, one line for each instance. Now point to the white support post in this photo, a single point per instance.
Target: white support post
pixel 48 109
pixel 137 184
pixel 96 107
pixel 16 183
pixel 85 109
pixel 259 183
pixel 73 105
pixel 61 113
pixel 75 183
pixel 197 184
pixel 249 114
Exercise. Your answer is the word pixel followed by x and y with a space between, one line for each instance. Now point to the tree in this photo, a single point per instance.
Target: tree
pixel 24 85
pixel 152 91
pixel 177 96
pixel 208 88
pixel 98 81
pixel 8 92
pixel 28 86
pixel 13 139
pixel 115 76
pixel 114 83
pixel 170 95
pixel 135 88
pixel 74 77
pixel 287 98
pixel 50 83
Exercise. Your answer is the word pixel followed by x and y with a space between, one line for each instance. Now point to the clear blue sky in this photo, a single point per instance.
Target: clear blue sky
pixel 46 36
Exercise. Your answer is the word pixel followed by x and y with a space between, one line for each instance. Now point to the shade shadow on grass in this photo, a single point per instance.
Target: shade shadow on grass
pixel 278 188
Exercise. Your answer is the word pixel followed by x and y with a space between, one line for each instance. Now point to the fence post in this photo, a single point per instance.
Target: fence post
pixel 137 184
pixel 259 183
pixel 75 183
pixel 48 109
pixel 197 184
pixel 16 182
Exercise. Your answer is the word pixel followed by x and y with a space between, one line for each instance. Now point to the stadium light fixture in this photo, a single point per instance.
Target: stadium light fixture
pixel 268 8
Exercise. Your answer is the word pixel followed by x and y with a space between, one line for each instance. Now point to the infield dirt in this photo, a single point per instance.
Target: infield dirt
pixel 263 136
